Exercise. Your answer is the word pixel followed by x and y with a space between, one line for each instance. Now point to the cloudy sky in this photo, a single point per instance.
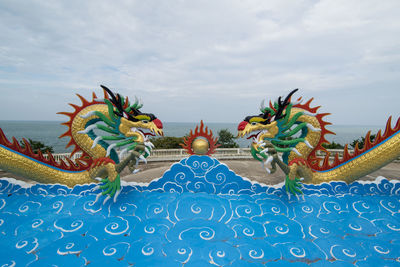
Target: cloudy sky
pixel 190 60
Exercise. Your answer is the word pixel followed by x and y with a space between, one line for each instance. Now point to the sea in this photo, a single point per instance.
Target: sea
pixel 48 132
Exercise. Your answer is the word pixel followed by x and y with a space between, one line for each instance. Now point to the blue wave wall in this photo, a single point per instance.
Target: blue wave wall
pixel 200 213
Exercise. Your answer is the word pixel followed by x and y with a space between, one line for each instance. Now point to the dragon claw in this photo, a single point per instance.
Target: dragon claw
pixel 97 198
pixel 110 189
pixel 149 144
pixel 292 186
pixel 116 195
pixel 135 171
pixel 96 188
pixel 141 158
pixel 269 159
pixel 106 199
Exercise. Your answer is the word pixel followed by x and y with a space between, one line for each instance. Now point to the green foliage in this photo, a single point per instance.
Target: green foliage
pixel 167 142
pixel 332 145
pixel 36 145
pixel 226 139
pixel 361 141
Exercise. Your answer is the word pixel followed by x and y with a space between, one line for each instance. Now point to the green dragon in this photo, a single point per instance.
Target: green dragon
pixel 120 124
pixel 298 132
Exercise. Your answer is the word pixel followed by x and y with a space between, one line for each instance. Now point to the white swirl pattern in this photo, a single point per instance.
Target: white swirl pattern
pixel 201 213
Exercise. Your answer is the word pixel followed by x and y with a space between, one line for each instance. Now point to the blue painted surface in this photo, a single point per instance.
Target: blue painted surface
pixel 201 214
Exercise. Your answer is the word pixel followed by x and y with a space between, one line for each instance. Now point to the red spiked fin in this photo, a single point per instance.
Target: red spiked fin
pixel 272 106
pixel 307 106
pixel 379 138
pixel 48 159
pixel 72 115
pixel 126 104
pixel 313 160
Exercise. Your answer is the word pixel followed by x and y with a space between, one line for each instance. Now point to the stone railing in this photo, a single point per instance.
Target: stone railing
pixel 177 154
pixel 221 153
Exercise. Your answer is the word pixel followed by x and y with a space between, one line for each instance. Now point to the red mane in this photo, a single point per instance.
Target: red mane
pixel 80 165
pixel 315 162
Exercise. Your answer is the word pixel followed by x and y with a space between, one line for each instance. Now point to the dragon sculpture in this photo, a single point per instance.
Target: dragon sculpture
pixel 120 124
pixel 296 130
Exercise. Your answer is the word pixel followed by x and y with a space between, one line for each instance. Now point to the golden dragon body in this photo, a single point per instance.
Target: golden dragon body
pixel 124 125
pixel 298 131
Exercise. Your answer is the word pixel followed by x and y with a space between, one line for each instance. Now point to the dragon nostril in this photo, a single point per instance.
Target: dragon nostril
pixel 158 123
pixel 242 125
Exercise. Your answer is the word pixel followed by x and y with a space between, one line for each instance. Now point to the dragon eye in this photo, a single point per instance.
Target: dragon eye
pixel 253 123
pixel 145 121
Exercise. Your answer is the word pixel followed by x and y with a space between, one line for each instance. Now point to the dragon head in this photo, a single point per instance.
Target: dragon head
pixel 132 122
pixel 270 124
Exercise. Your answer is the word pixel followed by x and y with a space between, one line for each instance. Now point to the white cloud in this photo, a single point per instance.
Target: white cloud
pixel 211 60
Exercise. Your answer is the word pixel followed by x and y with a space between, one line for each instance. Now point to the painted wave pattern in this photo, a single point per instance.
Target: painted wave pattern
pixel 201 214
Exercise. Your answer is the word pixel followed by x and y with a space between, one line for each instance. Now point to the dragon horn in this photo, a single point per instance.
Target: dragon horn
pixel 283 104
pixel 116 100
pixel 262 106
pixel 109 92
pixel 287 99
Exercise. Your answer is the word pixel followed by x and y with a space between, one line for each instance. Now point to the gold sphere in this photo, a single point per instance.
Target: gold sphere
pixel 200 146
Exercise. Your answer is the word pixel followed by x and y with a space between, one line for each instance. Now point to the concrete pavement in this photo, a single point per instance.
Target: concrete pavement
pixel 250 169
pixel 246 168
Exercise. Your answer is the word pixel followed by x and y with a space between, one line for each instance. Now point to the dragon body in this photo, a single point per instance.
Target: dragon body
pixel 298 132
pixel 96 128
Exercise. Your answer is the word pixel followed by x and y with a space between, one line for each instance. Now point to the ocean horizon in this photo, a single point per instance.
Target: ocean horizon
pixel 48 132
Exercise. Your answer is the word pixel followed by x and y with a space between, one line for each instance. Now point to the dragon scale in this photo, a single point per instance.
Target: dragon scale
pixel 298 131
pixel 123 124
pixel 350 170
pixel 41 172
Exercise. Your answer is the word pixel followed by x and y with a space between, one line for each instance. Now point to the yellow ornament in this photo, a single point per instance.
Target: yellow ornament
pixel 200 146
